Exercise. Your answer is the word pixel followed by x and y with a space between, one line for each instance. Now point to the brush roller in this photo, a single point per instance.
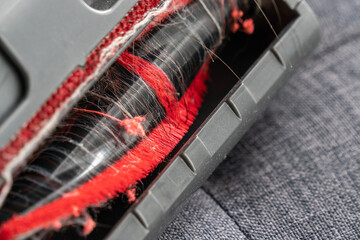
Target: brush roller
pixel 165 95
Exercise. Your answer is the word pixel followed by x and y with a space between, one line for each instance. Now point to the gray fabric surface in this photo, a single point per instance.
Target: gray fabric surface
pixel 202 222
pixel 296 173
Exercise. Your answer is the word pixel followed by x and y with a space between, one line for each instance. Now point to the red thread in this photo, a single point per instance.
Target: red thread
pixel 239 24
pixel 132 125
pixel 29 131
pixel 89 226
pixel 75 211
pixel 154 78
pixel 134 166
pixel 56 224
pixel 131 194
pixel 248 26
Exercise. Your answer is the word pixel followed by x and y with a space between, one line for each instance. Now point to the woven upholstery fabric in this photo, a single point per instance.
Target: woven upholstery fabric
pixel 296 173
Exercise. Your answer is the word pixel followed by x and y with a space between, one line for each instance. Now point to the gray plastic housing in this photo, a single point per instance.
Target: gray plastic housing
pixel 204 151
pixel 37 53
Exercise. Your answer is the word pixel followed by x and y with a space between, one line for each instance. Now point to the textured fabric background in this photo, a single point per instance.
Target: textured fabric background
pixel 296 173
